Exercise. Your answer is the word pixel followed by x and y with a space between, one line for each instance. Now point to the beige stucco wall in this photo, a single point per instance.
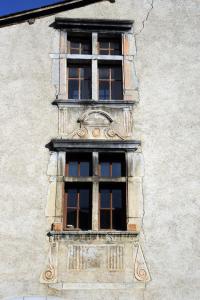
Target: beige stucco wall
pixel 167 120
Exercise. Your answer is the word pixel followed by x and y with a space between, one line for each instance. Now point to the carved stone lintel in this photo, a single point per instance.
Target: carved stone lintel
pixel 141 271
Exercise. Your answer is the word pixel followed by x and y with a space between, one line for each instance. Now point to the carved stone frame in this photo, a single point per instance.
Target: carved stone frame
pixel 135 172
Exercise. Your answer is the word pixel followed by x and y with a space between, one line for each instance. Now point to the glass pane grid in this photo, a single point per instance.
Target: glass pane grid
pixel 111 169
pixel 78 208
pixel 79 82
pixel 79 45
pixel 111 208
pixel 112 47
pixel 110 83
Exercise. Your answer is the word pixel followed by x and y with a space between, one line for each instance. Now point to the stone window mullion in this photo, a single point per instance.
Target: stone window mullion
pixel 95 192
pixel 94 66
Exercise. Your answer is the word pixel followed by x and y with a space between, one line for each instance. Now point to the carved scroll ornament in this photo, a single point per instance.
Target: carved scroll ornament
pixel 141 271
pixel 96 124
pixel 49 275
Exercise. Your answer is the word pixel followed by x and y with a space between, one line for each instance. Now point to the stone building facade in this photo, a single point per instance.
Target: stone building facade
pixel 99 152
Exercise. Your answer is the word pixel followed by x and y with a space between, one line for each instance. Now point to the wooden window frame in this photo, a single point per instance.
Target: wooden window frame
pixel 110 80
pixel 109 49
pixel 80 48
pixel 77 186
pixel 79 160
pixel 111 209
pixel 111 161
pixel 91 60
pixel 79 78
pixel 95 181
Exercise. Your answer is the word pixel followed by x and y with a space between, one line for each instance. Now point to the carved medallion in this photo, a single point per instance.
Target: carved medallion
pixel 96 132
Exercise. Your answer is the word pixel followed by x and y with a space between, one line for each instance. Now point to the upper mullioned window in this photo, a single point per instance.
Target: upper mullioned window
pixel 92 62
pixel 95 61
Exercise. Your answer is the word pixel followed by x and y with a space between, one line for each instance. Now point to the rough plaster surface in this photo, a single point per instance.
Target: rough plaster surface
pixel 167 119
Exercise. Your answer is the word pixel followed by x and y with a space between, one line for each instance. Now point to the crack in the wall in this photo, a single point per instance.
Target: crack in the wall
pixel 139 97
pixel 143 22
pixel 143 215
pixel 147 17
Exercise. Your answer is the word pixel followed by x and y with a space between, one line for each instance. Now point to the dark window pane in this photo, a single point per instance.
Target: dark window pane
pixel 105 169
pixel 104 90
pixel 105 219
pixel 115 46
pixel 118 220
pixel 85 219
pixel 74 44
pixel 116 169
pixel 85 89
pixel 104 45
pixel 73 168
pixel 73 72
pixel 104 52
pixel 117 198
pixel 115 52
pixel 116 90
pixel 85 73
pixel 72 198
pixel 110 46
pixel 75 51
pixel 73 89
pixel 86 48
pixel 84 198
pixel 116 73
pixel 104 73
pixel 84 168
pixel 71 217
pixel 79 45
pixel 105 198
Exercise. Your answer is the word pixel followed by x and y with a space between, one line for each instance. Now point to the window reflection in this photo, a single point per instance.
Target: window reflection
pixel 84 168
pixel 116 169
pixel 79 45
pixel 72 198
pixel 78 165
pixel 79 82
pixel 105 169
pixel 78 206
pixel 105 198
pixel 73 168
pixel 110 46
pixel 112 165
pixel 110 82
pixel 105 219
pixel 112 206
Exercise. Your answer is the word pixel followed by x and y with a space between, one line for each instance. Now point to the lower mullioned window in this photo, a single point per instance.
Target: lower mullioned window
pixel 95 187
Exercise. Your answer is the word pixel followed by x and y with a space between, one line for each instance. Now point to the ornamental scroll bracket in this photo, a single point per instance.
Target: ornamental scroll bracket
pixel 49 275
pixel 141 272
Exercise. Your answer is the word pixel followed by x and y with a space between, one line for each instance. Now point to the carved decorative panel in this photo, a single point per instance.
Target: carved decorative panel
pixel 115 258
pixel 97 124
pixel 82 257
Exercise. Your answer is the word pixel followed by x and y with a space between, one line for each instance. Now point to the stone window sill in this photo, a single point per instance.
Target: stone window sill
pixel 120 103
pixel 93 235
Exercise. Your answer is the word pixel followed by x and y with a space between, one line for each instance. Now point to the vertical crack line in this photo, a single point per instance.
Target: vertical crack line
pixel 143 204
pixel 136 52
pixel 147 17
